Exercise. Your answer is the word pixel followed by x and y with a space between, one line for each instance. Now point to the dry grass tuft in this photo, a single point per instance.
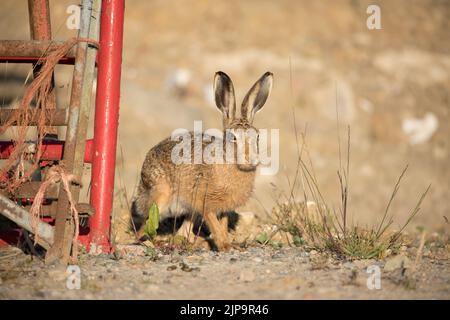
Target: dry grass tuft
pixel 314 223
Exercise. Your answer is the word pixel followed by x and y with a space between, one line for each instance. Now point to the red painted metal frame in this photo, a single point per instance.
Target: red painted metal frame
pixel 106 121
pixel 51 150
pixel 100 151
pixel 39 12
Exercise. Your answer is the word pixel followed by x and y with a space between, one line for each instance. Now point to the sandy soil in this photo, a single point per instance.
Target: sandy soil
pixel 253 273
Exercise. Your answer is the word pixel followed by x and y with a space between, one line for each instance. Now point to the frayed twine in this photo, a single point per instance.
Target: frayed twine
pixel 55 175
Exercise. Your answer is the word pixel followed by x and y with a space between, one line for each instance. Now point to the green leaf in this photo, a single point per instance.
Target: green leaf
pixel 151 252
pixel 262 238
pixel 152 223
pixel 298 241
pixel 276 244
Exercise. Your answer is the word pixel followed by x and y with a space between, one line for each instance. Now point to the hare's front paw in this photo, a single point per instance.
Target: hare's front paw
pixel 223 245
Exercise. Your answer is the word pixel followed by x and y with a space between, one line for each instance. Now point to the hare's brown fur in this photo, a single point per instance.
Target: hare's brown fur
pixel 207 189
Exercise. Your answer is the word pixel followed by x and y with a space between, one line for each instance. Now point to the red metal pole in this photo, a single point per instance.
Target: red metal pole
pixel 39 11
pixel 40 28
pixel 106 121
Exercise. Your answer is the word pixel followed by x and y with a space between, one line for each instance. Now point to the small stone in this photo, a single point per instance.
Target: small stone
pixel 397 262
pixel 58 274
pixel 277 255
pixel 254 250
pixel 171 268
pixel 206 254
pixel 247 276
pixel 304 254
pixel 364 263
pixel 175 259
pixel 302 260
pixel 194 259
pixel 186 268
pixel 348 265
pixel 39 294
pixel 246 217
pixel 313 252
pixel 352 275
pixel 257 260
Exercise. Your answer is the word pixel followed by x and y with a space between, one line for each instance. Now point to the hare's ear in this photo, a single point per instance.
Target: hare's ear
pixel 224 96
pixel 257 96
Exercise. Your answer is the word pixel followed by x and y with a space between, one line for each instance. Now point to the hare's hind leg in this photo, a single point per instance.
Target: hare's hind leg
pixel 217 229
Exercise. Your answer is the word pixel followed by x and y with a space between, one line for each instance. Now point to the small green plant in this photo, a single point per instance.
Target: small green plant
pixel 262 238
pixel 151 253
pixel 180 241
pixel 152 223
pixel 276 244
pixel 298 241
pixel 265 239
pixel 361 243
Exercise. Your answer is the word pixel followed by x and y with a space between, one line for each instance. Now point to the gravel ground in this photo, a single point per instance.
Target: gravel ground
pixel 251 273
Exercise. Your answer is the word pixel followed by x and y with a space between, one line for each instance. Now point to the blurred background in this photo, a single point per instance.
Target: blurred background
pixel 391 86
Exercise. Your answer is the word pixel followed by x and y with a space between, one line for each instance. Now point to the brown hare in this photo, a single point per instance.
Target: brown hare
pixel 209 190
